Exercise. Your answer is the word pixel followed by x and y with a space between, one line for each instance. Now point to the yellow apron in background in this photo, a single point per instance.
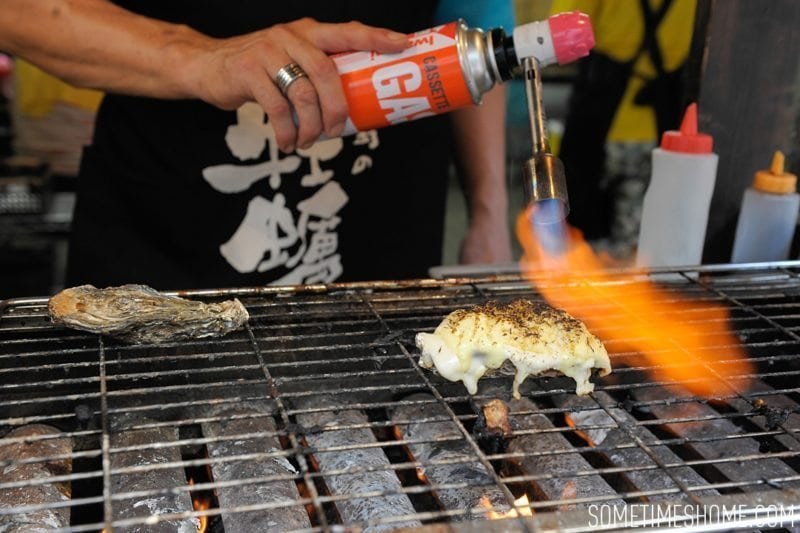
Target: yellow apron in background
pixel 619 30
pixel 36 92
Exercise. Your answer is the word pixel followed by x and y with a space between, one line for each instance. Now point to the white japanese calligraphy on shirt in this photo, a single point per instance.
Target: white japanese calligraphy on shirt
pixel 302 239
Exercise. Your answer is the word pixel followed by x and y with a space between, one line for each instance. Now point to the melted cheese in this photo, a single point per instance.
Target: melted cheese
pixel 534 337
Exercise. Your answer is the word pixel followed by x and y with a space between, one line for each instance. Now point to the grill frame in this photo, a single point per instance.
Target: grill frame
pixel 372 313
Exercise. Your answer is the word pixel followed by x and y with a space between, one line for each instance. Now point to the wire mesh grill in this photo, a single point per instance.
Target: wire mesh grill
pixel 317 417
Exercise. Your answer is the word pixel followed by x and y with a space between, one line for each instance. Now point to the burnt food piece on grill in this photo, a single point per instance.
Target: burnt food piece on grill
pixel 493 428
pixel 140 314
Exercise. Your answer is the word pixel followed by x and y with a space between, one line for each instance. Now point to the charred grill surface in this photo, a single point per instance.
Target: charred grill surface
pixel 269 413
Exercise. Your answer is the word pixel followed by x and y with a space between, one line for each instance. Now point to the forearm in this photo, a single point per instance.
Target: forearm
pixel 480 140
pixel 481 149
pixel 94 43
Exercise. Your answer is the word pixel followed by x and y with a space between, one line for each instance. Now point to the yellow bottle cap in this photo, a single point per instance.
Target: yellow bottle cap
pixel 775 180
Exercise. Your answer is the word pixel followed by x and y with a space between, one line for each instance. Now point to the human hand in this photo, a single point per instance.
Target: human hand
pixel 230 72
pixel 487 241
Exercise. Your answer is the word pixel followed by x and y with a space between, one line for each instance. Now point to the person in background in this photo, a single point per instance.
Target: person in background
pixel 52 120
pixel 628 91
pixel 51 123
pixel 197 175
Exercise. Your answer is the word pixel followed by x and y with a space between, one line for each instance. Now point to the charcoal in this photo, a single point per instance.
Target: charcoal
pixel 235 421
pixel 712 438
pixel 480 485
pixel 153 479
pixel 392 502
pixel 533 439
pixel 611 440
pixel 48 466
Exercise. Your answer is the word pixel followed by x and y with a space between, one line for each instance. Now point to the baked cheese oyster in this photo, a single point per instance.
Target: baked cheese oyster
pixel 534 337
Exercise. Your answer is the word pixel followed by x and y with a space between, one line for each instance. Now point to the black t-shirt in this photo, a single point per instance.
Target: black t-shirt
pixel 180 194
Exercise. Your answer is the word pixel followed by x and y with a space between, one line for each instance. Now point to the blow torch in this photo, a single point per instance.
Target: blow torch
pixel 543 174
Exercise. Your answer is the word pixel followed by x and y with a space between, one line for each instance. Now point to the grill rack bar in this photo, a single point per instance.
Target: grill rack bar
pixel 481 456
pixel 769 324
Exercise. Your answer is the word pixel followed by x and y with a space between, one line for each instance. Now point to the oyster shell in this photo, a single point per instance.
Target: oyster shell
pixel 139 314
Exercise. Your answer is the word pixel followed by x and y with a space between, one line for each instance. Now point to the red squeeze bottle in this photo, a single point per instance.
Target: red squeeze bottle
pixel 675 210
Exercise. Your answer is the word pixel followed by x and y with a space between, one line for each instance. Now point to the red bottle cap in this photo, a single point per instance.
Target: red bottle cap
pixel 6 65
pixel 688 140
pixel 572 35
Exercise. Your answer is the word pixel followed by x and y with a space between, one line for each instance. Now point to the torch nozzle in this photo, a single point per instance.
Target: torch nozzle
pixel 543 179
pixel 544 182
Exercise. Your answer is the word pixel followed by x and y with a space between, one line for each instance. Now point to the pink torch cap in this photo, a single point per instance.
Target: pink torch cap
pixel 573 36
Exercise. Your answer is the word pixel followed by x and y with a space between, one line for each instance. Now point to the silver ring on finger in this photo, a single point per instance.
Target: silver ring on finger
pixel 287 75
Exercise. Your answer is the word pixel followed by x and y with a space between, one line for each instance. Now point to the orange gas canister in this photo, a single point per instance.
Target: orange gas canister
pixel 451 66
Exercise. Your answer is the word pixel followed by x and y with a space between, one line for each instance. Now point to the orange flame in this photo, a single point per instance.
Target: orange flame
pixel 521 508
pixel 635 315
pixel 200 503
pixel 582 434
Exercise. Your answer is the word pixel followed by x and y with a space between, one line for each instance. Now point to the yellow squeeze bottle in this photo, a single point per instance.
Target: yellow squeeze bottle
pixel 768 216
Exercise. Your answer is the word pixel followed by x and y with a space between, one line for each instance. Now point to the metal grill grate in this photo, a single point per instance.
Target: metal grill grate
pixel 317 416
